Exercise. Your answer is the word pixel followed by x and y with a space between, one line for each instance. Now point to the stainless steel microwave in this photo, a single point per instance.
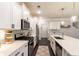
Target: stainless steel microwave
pixel 25 25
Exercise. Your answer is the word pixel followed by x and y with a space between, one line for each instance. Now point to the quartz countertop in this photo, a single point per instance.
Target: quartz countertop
pixel 70 44
pixel 7 49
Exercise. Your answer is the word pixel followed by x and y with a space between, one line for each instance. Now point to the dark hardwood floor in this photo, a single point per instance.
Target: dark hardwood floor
pixel 43 42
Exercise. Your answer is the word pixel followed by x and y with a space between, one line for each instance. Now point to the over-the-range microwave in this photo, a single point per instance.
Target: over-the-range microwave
pixel 25 25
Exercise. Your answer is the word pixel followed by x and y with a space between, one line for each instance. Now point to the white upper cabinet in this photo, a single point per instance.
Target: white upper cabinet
pixel 11 14
pixel 5 15
pixel 54 25
pixel 17 15
pixel 25 12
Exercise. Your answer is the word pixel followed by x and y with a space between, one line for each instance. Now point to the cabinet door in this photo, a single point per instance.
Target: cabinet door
pixel 17 16
pixel 65 53
pixel 5 15
pixel 34 41
pixel 53 45
pixel 25 12
pixel 16 53
pixel 54 25
pixel 22 52
pixel 26 49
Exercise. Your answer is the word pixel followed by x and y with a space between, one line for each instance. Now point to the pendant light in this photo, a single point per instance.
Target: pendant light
pixel 62 22
pixel 74 17
pixel 38 11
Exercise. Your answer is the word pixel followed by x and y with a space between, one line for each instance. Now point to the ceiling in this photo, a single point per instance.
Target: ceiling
pixel 53 9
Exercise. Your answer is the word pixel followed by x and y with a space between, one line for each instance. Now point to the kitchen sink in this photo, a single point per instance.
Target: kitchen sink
pixel 57 37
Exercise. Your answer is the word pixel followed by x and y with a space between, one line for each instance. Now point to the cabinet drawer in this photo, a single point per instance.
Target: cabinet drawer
pixel 15 53
pixel 24 49
pixel 52 43
pixel 65 53
pixel 24 46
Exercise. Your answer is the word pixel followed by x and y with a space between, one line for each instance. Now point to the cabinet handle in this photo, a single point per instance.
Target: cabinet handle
pixel 22 54
pixel 52 42
pixel 17 53
pixel 25 45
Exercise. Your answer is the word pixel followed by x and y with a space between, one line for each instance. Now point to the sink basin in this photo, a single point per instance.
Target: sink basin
pixel 58 37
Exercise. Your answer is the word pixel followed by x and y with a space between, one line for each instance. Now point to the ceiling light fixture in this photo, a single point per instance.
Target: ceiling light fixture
pixel 62 9
pixel 38 11
pixel 74 17
pixel 62 22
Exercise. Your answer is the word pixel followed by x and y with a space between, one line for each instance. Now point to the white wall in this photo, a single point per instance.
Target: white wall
pixel 44 25
pixel 73 32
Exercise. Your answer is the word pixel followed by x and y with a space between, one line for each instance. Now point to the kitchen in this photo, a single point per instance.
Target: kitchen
pixel 39 29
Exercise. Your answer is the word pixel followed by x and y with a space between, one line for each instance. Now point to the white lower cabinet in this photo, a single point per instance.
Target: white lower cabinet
pixel 16 53
pixel 65 53
pixel 25 50
pixel 53 46
pixel 52 43
pixel 34 41
pixel 22 51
